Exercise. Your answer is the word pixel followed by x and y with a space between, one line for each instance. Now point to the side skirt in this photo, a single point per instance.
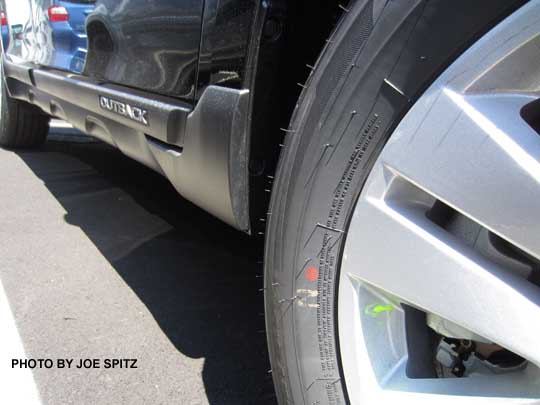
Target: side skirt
pixel 203 151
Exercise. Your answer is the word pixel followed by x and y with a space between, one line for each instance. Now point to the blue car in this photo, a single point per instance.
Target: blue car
pixel 63 26
pixel 5 29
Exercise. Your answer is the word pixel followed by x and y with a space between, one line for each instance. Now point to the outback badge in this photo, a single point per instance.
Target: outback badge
pixel 137 114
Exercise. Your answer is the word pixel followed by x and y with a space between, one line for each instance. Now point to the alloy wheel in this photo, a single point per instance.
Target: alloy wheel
pixel 447 227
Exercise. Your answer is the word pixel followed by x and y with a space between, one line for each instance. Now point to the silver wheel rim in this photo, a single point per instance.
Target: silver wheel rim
pixel 465 144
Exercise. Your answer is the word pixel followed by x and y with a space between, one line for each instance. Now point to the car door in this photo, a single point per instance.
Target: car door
pixel 151 45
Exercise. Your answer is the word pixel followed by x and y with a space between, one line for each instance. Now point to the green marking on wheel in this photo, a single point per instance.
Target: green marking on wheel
pixel 374 310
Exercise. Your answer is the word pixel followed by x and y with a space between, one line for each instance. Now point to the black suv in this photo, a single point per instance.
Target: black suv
pixel 369 142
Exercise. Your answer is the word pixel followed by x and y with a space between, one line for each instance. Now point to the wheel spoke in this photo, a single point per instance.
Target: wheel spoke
pixel 465 391
pixel 472 150
pixel 406 255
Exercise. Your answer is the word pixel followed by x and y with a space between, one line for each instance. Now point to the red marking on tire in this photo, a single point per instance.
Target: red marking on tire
pixel 312 274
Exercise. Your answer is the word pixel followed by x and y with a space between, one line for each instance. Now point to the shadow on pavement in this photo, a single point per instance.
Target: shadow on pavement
pixel 197 276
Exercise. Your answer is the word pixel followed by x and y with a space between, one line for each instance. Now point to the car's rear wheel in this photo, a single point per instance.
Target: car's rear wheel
pixel 402 253
pixel 22 125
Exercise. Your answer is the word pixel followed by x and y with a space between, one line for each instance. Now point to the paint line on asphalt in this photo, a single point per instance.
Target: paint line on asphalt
pixel 18 385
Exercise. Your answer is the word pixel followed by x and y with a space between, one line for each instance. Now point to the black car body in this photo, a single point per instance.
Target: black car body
pixel 199 71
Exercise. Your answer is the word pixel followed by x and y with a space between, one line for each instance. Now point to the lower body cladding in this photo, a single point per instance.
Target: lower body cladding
pixel 204 151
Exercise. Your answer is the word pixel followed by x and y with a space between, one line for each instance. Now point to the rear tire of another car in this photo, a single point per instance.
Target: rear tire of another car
pixel 22 125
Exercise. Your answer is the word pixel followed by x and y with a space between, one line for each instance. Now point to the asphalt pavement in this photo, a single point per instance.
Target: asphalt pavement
pixel 102 260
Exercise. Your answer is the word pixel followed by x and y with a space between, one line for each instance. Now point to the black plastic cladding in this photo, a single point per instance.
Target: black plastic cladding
pixel 203 152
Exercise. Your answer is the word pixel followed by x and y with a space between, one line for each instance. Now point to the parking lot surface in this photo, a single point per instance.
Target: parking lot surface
pixel 101 259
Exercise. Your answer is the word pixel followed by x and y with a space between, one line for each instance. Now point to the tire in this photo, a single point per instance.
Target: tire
pixel 22 125
pixel 378 61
